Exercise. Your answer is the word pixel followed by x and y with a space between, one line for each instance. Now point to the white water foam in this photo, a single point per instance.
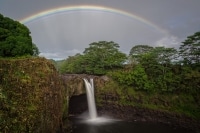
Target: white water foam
pixel 93 119
pixel 90 98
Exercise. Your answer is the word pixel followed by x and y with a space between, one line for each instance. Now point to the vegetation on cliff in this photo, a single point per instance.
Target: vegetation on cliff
pixel 31 96
pixel 176 103
pixel 168 76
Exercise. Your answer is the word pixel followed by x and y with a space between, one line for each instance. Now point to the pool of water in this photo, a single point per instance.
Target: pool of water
pixel 105 125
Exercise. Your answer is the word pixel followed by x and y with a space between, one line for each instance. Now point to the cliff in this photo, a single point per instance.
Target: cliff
pixel 31 97
pixel 35 98
pixel 126 103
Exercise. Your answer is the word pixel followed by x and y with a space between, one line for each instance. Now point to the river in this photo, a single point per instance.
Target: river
pixel 119 126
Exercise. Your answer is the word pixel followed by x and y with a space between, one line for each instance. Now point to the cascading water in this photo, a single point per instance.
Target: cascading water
pixel 90 98
pixel 89 85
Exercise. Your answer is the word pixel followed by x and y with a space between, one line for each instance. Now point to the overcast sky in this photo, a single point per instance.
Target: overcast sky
pixel 59 35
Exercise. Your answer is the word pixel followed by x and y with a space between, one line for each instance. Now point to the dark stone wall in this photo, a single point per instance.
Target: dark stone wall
pixel 78 104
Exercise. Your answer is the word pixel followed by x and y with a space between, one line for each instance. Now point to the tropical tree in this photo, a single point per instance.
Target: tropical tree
pixel 15 39
pixel 73 64
pixel 157 64
pixel 35 49
pixel 137 51
pixel 102 56
pixel 190 49
pixel 135 77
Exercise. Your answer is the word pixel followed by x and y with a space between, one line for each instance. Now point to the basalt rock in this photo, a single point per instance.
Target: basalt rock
pixel 134 113
pixel 75 85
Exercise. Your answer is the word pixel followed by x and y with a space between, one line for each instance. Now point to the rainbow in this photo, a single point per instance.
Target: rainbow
pixel 88 8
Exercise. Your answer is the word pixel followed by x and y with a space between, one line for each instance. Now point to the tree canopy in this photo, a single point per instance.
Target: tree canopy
pixel 162 68
pixel 137 51
pixel 190 49
pixel 98 58
pixel 147 68
pixel 15 39
pixel 104 55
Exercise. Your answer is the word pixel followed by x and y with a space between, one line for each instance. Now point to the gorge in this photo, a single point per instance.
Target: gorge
pixel 35 98
pixel 109 104
pixel 102 124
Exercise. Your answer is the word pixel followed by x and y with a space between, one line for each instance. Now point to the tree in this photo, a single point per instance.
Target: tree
pixel 97 59
pixel 135 77
pixel 15 39
pixel 35 49
pixel 157 64
pixel 136 52
pixel 73 64
pixel 190 49
pixel 159 56
pixel 102 56
pixel 165 55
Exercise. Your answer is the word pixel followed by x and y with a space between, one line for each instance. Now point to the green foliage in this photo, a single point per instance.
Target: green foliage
pixel 74 64
pixel 137 51
pixel 190 49
pixel 190 80
pixel 156 70
pixel 15 39
pixel 153 77
pixel 135 77
pixel 35 49
pixel 152 69
pixel 102 56
pixel 182 103
pixel 98 59
pixel 30 96
pixel 158 65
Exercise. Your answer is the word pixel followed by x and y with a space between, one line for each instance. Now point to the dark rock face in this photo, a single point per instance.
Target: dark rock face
pixel 78 104
pixel 131 113
pixel 75 84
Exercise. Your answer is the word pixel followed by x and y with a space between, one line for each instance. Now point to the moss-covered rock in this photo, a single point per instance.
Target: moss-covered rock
pixel 31 96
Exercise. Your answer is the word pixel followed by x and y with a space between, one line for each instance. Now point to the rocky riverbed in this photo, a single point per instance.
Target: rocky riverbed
pixel 130 113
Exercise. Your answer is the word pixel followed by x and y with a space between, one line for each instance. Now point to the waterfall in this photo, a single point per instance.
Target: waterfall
pixel 90 98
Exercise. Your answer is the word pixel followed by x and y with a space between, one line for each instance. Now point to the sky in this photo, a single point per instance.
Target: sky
pixel 63 28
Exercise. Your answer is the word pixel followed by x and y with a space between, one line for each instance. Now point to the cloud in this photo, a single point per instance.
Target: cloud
pixel 168 41
pixel 59 55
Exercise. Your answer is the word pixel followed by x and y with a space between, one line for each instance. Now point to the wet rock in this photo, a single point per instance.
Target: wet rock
pixel 133 113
